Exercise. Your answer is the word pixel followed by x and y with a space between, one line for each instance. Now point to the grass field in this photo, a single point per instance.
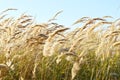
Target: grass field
pixel 50 51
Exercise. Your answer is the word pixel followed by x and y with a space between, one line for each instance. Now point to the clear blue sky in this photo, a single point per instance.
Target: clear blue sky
pixel 72 9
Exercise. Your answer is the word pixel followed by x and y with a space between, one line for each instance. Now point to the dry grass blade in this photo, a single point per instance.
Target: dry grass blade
pixel 100 19
pixel 113 33
pixel 56 32
pixel 1 17
pixel 75 69
pixel 54 17
pixel 116 43
pixel 117 22
pixel 3 66
pixel 107 17
pixel 9 9
pixel 75 43
pixel 43 25
pixel 27 20
pixel 98 24
pixel 23 16
pixel 91 21
pixel 81 20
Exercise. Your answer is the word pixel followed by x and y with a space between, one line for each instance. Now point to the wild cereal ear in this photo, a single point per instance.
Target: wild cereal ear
pixel 46 51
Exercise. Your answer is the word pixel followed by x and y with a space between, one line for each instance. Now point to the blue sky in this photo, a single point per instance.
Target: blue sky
pixel 43 10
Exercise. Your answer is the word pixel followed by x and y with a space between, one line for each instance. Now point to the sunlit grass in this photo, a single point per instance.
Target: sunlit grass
pixel 46 51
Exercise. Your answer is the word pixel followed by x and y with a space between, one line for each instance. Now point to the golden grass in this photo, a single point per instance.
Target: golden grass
pixel 26 48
